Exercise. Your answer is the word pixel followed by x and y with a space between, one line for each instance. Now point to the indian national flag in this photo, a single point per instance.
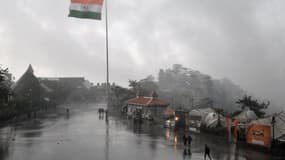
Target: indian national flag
pixel 91 9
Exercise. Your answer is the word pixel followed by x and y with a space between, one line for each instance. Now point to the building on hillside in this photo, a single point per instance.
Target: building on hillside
pixel 29 88
pixel 73 82
pixel 150 107
pixel 67 89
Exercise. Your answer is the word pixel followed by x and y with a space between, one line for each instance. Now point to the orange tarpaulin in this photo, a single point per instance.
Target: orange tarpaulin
pixel 259 135
pixel 236 128
pixel 228 120
pixel 169 111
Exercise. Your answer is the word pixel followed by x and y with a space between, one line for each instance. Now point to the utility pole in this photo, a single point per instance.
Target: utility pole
pixel 273 128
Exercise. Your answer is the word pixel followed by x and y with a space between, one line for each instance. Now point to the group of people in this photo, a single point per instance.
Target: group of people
pixel 103 112
pixel 187 140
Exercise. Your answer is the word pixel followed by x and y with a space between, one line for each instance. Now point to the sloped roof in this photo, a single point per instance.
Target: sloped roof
pixel 147 101
pixel 29 81
pixel 246 116
pixel 28 78
pixel 30 69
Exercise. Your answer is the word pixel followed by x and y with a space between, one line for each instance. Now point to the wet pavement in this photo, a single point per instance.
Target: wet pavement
pixel 82 135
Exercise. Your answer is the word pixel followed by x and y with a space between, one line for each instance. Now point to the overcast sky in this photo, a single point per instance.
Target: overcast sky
pixel 241 40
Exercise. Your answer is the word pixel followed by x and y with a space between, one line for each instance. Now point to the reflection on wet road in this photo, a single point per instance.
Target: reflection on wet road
pixel 84 136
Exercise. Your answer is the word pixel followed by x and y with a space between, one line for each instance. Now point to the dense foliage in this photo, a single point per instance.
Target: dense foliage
pixel 254 105
pixel 4 85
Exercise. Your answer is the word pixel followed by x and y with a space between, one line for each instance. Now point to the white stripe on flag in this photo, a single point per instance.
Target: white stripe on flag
pixel 86 7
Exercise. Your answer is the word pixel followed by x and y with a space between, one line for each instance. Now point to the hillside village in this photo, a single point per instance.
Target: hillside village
pixel 180 97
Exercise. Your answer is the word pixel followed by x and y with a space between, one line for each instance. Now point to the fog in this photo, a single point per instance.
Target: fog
pixel 243 41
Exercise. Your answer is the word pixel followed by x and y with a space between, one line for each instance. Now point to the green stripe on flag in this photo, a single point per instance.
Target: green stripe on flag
pixel 80 14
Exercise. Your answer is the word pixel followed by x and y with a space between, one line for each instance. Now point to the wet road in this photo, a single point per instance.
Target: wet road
pixel 83 136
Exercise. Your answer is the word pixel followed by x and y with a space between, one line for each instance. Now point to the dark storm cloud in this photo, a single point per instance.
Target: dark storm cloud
pixel 241 40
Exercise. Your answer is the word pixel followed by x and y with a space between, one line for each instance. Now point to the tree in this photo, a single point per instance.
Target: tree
pixel 133 84
pixel 254 105
pixel 4 84
pixel 135 88
pixel 3 73
pixel 148 85
pixel 143 87
pixel 120 95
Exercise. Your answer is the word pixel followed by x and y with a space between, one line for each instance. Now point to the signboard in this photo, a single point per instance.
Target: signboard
pixel 259 135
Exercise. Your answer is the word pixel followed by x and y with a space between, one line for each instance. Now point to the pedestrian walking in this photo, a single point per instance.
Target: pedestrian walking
pixel 185 140
pixel 207 152
pixel 106 115
pixel 189 140
pixel 101 113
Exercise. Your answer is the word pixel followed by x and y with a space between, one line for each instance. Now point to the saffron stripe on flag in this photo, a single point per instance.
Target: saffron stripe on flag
pixel 91 9
pixel 99 2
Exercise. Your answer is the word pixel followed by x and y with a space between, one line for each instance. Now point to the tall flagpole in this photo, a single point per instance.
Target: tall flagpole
pixel 107 53
pixel 107 85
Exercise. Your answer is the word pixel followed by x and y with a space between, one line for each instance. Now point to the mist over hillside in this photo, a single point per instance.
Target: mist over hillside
pixel 190 89
pixel 187 88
